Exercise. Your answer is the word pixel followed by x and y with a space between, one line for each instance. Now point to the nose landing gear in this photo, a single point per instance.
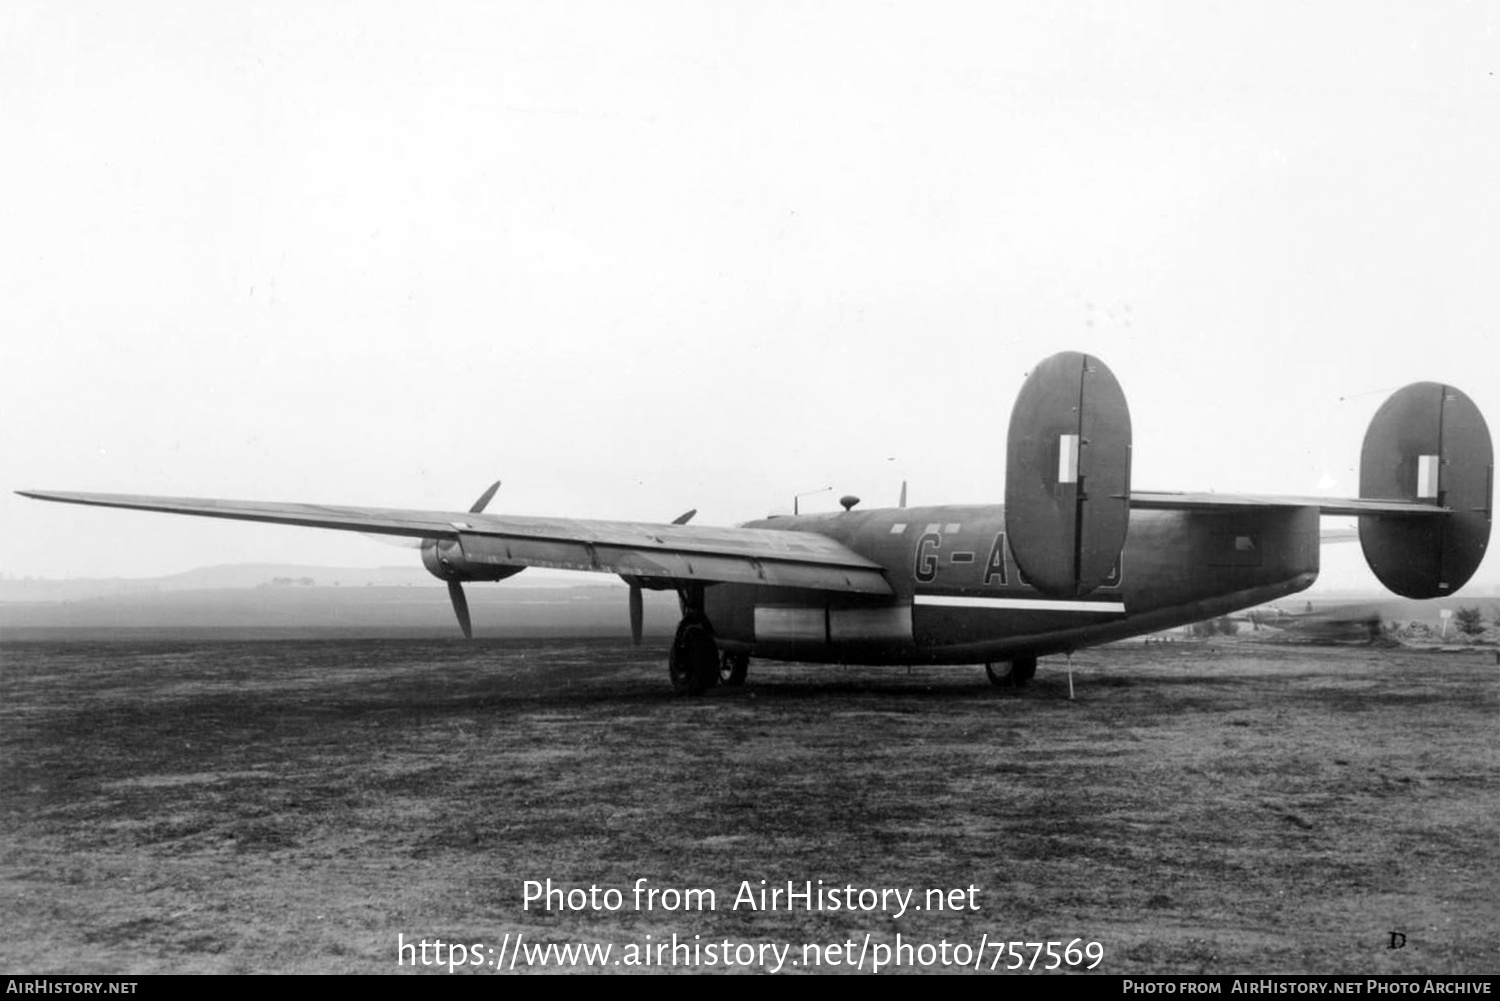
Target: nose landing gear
pixel 1014 673
pixel 732 669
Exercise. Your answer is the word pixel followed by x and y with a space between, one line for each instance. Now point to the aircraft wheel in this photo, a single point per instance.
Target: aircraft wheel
pixel 693 664
pixel 1014 673
pixel 732 669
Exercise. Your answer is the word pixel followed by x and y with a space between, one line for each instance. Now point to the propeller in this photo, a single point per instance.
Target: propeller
pixel 455 589
pixel 484 499
pixel 637 613
pixel 461 608
pixel 637 603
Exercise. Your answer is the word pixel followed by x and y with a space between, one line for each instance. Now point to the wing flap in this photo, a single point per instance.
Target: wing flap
pixel 661 562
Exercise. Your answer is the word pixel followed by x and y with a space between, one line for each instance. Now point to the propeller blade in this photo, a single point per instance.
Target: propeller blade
pixel 902 502
pixel 484 498
pixel 637 606
pixel 461 608
pixel 637 613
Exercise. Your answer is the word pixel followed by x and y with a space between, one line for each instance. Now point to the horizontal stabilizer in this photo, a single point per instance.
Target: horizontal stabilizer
pixel 1160 500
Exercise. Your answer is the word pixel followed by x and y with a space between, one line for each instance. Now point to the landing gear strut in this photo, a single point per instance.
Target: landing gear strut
pixel 732 669
pixel 1014 673
pixel 694 662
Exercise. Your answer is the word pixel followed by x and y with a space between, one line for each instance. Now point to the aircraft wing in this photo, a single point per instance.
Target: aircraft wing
pixel 677 552
pixel 1167 501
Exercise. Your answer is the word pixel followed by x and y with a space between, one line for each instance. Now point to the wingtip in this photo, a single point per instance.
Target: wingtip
pixel 51 495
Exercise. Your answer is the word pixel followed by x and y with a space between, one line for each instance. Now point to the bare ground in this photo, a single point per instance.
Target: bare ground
pixel 294 806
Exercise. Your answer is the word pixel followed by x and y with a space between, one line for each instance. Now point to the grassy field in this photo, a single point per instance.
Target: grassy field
pixel 297 806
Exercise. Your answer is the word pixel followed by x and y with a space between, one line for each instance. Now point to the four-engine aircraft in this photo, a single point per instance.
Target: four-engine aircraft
pixel 1073 558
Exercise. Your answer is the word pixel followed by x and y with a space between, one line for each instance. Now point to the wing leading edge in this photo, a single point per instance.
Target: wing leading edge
pixel 680 552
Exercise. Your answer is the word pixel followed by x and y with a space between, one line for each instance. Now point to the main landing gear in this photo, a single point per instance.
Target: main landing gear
pixel 1014 673
pixel 695 664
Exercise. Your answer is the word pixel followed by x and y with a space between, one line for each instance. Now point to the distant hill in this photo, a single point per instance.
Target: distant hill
pixel 239 575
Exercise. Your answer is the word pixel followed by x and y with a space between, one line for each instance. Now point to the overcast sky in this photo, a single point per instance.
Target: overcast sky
pixel 633 258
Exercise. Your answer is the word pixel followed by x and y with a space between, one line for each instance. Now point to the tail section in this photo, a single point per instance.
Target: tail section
pixel 1067 475
pixel 1427 443
pixel 1425 492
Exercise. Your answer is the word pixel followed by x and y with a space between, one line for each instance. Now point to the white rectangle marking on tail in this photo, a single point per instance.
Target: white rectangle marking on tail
pixel 1067 458
pixel 1427 477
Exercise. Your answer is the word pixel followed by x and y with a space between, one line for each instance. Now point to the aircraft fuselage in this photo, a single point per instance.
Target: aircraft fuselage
pixel 961 599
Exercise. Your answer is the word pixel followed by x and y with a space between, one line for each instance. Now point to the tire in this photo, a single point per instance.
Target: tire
pixel 1014 673
pixel 693 665
pixel 732 669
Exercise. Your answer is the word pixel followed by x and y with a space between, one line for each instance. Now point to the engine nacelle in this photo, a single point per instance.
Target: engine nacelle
pixel 445 560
